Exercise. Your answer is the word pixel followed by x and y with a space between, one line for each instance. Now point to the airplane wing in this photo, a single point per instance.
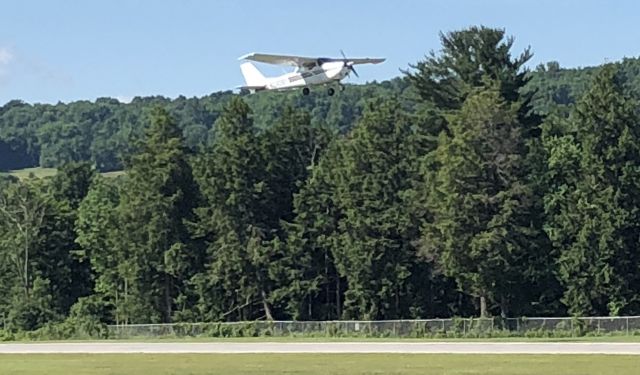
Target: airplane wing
pixel 365 61
pixel 300 61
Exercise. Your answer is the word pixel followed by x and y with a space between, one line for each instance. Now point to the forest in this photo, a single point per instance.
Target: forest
pixel 468 186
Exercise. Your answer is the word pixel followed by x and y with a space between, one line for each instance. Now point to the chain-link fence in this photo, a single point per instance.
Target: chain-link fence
pixel 455 327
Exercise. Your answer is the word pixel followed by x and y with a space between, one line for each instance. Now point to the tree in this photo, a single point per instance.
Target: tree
pixel 290 149
pixel 231 221
pixel 158 197
pixel 374 251
pixel 23 211
pixel 481 229
pixel 593 202
pixel 64 143
pixel 469 59
pixel 36 246
pixel 477 63
pixel 313 288
pixel 58 259
pixel 96 230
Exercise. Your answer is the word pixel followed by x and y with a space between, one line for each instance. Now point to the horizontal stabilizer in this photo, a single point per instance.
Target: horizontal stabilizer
pixel 252 89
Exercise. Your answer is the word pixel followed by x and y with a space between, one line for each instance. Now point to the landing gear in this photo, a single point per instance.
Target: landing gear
pixel 341 88
pixel 305 91
pixel 331 91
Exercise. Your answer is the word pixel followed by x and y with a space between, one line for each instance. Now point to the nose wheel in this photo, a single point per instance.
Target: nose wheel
pixel 331 91
pixel 305 91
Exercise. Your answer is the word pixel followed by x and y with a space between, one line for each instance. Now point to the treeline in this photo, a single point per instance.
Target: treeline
pixel 104 132
pixel 455 198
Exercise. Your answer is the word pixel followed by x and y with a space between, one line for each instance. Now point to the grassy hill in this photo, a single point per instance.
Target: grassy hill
pixel 39 172
pixel 104 131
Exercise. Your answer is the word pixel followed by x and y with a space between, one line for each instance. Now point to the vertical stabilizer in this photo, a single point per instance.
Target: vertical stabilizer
pixel 252 75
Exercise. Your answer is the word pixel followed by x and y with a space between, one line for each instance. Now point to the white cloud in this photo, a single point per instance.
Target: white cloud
pixel 5 56
pixel 5 59
pixel 125 99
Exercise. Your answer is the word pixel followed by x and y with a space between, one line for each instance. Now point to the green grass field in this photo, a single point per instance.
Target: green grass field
pixel 35 172
pixel 620 338
pixel 38 172
pixel 317 364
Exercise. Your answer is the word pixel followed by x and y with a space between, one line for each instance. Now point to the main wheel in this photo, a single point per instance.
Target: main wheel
pixel 305 91
pixel 331 91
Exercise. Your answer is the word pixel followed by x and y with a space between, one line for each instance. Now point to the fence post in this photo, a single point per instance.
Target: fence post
pixel 627 324
pixel 571 326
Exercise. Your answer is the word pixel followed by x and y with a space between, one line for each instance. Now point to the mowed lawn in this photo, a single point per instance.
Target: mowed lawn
pixel 36 172
pixel 39 172
pixel 320 364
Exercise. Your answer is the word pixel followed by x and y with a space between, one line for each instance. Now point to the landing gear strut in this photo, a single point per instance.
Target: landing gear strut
pixel 305 91
pixel 331 91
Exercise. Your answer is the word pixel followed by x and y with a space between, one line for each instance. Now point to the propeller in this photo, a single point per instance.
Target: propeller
pixel 349 64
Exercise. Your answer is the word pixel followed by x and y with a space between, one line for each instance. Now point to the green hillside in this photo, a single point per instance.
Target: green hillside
pixel 106 130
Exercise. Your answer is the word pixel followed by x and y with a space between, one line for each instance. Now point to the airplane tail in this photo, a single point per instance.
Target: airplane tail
pixel 252 76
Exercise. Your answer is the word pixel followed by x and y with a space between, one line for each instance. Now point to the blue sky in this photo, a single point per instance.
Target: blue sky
pixel 68 50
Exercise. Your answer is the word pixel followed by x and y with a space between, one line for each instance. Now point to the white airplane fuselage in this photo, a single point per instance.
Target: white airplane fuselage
pixel 309 72
pixel 319 75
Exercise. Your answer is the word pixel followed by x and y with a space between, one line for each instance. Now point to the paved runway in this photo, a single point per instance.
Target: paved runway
pixel 325 347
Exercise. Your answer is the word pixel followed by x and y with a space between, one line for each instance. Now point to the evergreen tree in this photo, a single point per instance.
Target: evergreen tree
pixel 469 59
pixel 472 61
pixel 158 197
pixel 315 290
pixel 593 204
pixel 481 230
pixel 231 178
pixel 290 148
pixel 374 251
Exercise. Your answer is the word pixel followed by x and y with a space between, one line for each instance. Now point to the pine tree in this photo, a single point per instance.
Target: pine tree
pixel 352 222
pixel 290 148
pixel 593 202
pixel 481 230
pixel 469 59
pixel 472 61
pixel 158 197
pixel 315 290
pixel 231 221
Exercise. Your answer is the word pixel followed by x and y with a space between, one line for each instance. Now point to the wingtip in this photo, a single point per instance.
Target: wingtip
pixel 244 57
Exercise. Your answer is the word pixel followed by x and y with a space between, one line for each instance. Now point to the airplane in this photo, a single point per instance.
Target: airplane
pixel 309 71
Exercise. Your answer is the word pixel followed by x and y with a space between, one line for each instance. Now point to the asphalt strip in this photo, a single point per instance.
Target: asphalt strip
pixel 105 347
